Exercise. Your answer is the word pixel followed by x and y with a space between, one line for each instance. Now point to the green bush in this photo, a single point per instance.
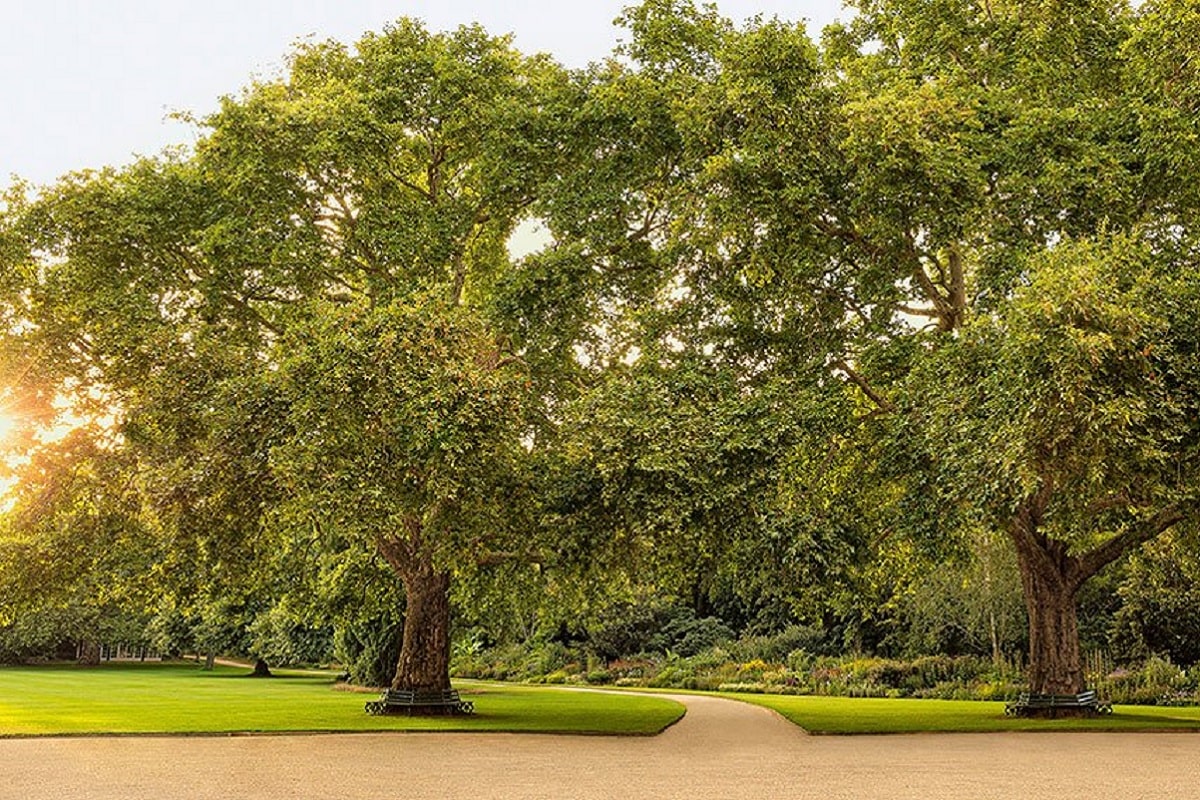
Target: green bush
pixel 34 635
pixel 800 672
pixel 632 629
pixel 599 676
pixel 1147 683
pixel 777 647
pixel 279 638
pixel 629 629
pixel 750 688
pixel 688 636
pixel 369 649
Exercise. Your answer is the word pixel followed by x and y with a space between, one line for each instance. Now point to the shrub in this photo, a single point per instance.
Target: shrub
pixel 599 676
pixel 1179 698
pixel 777 647
pixel 1144 684
pixel 746 687
pixel 631 629
pixel 801 672
pixel 281 639
pixel 558 677
pixel 369 650
pixel 688 636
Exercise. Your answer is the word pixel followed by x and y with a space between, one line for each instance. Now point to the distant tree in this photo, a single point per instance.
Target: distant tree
pixel 76 558
pixel 969 604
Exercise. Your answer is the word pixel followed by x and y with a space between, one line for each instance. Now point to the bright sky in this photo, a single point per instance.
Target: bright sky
pixel 85 83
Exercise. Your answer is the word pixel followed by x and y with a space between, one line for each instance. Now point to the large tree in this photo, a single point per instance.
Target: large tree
pixel 837 216
pixel 385 176
pixel 1067 419
pixel 409 441
pixel 983 139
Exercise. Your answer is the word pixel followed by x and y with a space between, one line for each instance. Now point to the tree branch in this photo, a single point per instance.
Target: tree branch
pixel 861 382
pixel 1092 562
pixel 846 235
pixel 254 314
pixel 918 312
pixel 958 285
pixel 929 288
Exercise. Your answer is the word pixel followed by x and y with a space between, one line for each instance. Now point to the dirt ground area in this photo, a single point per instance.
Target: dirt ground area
pixel 721 749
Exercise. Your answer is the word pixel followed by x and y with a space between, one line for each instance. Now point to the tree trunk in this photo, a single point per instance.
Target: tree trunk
pixel 424 662
pixel 994 632
pixel 1050 577
pixel 210 661
pixel 89 653
pixel 261 669
pixel 1054 663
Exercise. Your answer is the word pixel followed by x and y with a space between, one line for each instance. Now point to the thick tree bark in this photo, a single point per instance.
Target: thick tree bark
pixel 424 662
pixel 261 669
pixel 1050 577
pixel 1055 666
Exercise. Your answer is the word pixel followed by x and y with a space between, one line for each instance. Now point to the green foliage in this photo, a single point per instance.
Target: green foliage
pixel 532 662
pixel 170 633
pixel 222 628
pixel 368 649
pixel 633 629
pixel 1160 604
pixel 970 605
pixel 37 634
pixel 1081 385
pixel 76 558
pixel 1154 681
pixel 403 417
pixel 787 645
pixel 278 637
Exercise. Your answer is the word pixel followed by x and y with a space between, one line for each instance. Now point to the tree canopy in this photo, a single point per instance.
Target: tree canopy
pixel 808 316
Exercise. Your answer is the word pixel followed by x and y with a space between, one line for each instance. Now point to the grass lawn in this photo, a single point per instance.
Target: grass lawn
pixel 843 715
pixel 182 698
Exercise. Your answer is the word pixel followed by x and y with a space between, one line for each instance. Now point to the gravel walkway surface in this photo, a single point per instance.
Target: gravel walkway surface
pixel 721 749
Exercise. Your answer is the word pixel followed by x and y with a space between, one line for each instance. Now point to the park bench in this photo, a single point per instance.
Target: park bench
pixel 408 701
pixel 1028 702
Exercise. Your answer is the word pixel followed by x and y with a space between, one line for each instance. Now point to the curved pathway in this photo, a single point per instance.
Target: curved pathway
pixel 721 749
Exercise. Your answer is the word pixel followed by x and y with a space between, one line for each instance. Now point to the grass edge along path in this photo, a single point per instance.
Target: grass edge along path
pixel 852 715
pixel 180 698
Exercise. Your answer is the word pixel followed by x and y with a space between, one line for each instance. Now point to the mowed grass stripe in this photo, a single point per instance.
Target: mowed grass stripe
pixel 181 698
pixel 849 715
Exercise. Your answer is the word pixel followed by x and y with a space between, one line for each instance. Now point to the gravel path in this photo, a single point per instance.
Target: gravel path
pixel 721 749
